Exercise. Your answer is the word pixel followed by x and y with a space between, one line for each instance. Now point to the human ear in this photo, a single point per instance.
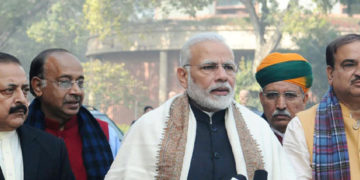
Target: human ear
pixel 182 76
pixel 330 76
pixel 36 84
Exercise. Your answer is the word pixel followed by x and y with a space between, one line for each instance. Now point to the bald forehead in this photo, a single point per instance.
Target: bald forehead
pixel 62 62
pixel 62 56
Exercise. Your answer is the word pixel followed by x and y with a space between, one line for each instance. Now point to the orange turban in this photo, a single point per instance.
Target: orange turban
pixel 289 67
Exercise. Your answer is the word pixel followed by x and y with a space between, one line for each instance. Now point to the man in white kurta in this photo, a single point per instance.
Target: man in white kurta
pixel 203 133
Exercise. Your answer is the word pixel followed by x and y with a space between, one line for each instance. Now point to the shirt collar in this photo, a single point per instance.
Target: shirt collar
pixel 278 132
pixel 7 134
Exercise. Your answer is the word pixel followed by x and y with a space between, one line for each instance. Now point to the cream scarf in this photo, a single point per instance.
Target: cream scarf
pixel 176 150
pixel 160 144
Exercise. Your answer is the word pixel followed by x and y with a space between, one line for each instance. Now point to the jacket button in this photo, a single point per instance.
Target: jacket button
pixel 214 129
pixel 216 155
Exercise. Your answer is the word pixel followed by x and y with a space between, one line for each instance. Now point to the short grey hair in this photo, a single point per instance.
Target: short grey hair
pixel 185 53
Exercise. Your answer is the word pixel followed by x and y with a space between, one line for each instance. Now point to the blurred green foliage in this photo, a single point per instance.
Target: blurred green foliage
pixel 245 80
pixel 110 84
pixel 312 45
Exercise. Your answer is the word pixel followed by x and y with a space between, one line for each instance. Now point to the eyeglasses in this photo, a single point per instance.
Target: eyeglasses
pixel 212 67
pixel 67 84
pixel 274 95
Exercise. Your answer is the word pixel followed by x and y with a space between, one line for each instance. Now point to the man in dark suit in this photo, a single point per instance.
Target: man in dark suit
pixel 25 152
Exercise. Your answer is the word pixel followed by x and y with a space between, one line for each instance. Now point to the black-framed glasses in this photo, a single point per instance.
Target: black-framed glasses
pixel 288 95
pixel 212 67
pixel 67 84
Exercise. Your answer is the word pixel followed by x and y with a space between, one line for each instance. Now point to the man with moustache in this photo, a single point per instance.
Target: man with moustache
pixel 25 152
pixel 323 141
pixel 285 80
pixel 57 82
pixel 203 133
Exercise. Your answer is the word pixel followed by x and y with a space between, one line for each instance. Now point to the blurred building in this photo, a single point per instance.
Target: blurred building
pixel 151 50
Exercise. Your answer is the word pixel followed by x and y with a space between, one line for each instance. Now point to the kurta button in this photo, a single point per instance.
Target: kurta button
pixel 216 155
pixel 214 129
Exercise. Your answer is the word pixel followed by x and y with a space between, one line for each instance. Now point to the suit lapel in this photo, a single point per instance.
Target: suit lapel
pixel 30 152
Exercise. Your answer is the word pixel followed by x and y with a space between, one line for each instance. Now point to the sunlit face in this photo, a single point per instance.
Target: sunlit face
pixel 211 88
pixel 345 76
pixel 281 101
pixel 57 102
pixel 13 96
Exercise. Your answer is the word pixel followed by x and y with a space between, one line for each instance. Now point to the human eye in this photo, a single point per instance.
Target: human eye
pixel 348 64
pixel 290 95
pixel 271 95
pixel 64 83
pixel 208 67
pixel 229 67
pixel 8 91
pixel 25 91
pixel 80 83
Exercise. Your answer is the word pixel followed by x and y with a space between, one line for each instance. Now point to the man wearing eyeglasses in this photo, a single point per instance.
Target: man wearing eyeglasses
pixel 203 133
pixel 25 152
pixel 285 80
pixel 323 141
pixel 57 82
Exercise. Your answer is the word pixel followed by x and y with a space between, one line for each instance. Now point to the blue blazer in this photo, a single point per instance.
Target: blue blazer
pixel 44 156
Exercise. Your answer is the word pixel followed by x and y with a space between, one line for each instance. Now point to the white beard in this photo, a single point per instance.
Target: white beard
pixel 205 99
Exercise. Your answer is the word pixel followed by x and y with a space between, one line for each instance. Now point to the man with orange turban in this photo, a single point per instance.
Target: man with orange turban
pixel 285 80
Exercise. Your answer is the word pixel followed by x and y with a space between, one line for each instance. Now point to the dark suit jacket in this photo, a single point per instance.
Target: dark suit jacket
pixel 44 156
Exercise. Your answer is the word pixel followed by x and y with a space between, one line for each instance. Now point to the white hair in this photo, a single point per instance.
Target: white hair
pixel 185 53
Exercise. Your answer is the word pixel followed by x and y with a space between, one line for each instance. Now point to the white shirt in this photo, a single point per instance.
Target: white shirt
pixel 295 146
pixel 11 160
pixel 278 132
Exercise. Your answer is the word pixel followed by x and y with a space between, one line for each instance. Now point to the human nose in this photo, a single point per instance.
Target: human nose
pixel 75 88
pixel 281 102
pixel 221 74
pixel 357 70
pixel 20 97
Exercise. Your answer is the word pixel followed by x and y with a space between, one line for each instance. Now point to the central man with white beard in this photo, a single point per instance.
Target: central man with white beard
pixel 203 133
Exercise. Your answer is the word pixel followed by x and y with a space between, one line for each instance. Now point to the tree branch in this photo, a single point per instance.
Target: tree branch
pixel 19 21
pixel 254 18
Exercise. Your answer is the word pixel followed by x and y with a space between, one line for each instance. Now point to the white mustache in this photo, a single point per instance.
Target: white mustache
pixel 220 85
pixel 281 112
